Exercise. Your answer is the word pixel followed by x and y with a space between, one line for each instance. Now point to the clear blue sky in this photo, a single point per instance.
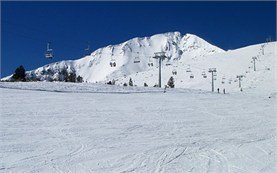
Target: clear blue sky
pixel 28 26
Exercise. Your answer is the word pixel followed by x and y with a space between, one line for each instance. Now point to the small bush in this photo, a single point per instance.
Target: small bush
pixel 170 82
pixel 130 82
pixel 80 79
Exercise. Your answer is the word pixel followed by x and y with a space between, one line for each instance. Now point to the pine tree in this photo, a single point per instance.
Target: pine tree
pixel 130 82
pixel 71 77
pixel 63 75
pixel 145 85
pixel 19 74
pixel 170 82
pixel 79 79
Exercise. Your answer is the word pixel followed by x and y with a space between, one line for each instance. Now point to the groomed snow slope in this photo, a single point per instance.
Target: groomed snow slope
pixel 99 129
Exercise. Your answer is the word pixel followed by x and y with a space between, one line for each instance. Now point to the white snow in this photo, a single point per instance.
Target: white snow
pixel 63 127
pixel 96 67
pixel 228 65
pixel 185 52
pixel 93 127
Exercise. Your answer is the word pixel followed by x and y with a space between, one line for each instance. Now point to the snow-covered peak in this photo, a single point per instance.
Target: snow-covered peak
pixel 96 67
pixel 192 42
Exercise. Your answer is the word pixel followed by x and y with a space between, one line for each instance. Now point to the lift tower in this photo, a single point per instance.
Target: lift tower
pixel 160 56
pixel 240 77
pixel 212 70
pixel 254 62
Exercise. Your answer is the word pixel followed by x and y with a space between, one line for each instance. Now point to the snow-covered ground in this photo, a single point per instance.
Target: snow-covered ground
pixel 62 127
pixel 188 55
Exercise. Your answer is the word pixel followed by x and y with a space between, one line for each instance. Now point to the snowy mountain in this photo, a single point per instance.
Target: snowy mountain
pixel 188 55
pixel 192 71
pixel 96 67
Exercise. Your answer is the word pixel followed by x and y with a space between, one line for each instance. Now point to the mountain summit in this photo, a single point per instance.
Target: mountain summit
pixel 129 57
pixel 189 58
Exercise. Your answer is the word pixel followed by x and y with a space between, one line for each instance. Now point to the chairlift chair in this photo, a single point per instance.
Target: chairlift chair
pixel 230 81
pixel 150 62
pixel 223 80
pixel 137 60
pixel 49 52
pixel 204 74
pixel 87 50
pixel 175 62
pixel 112 63
pixel 168 63
pixel 188 70
pixel 174 72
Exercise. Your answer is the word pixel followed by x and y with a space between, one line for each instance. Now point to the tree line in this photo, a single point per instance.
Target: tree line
pixel 65 76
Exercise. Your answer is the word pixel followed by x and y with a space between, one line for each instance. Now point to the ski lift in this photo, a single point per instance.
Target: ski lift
pixel 230 81
pixel 223 80
pixel 49 52
pixel 168 63
pixel 150 62
pixel 137 60
pixel 191 76
pixel 112 62
pixel 175 61
pixel 87 49
pixel 174 72
pixel 204 74
pixel 188 70
pixel 214 76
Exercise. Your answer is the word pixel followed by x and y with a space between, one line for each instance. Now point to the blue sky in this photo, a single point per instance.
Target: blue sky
pixel 28 26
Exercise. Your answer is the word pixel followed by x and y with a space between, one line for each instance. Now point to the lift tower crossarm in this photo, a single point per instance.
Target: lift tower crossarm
pixel 240 77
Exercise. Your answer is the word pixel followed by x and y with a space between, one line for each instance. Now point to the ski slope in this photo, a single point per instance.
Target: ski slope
pixel 64 127
pixel 188 55
pixel 228 65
